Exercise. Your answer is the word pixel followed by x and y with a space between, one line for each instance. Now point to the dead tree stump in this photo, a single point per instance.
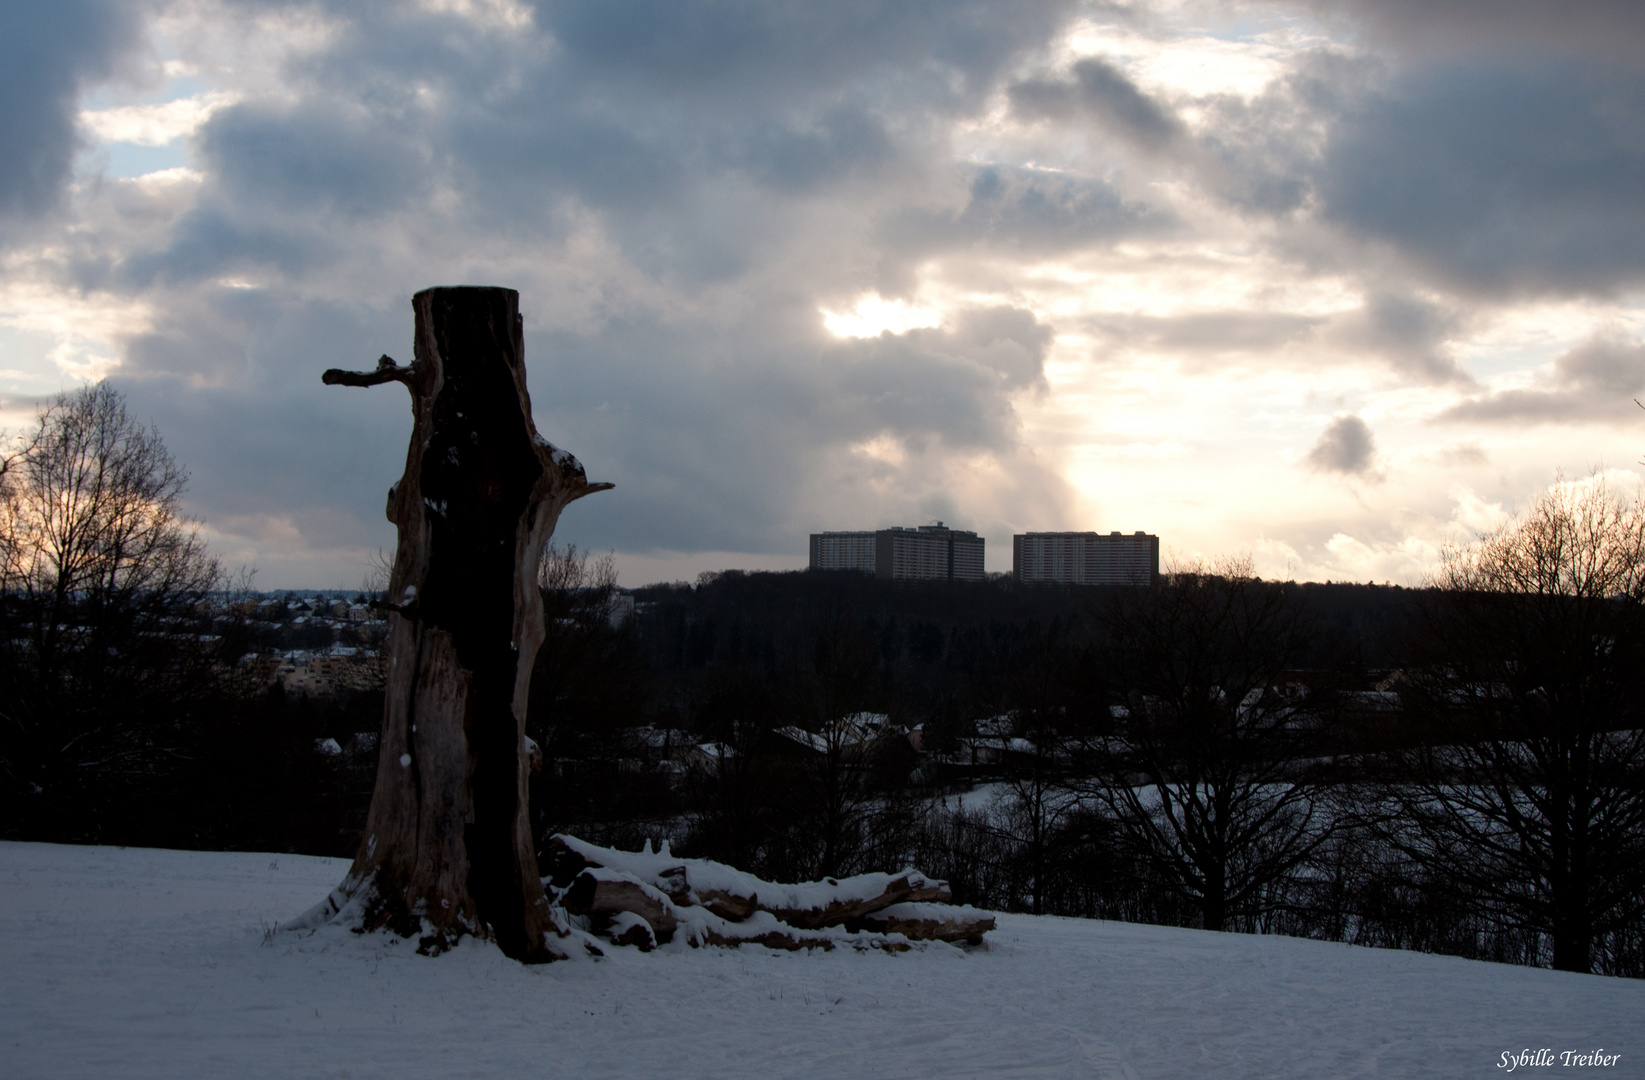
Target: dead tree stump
pixel 448 849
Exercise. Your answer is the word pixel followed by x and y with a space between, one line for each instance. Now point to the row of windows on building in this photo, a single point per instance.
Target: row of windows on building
pixel 938 552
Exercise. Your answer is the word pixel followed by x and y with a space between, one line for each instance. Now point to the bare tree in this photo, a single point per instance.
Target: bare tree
pixel 1046 722
pixel 576 584
pixel 1528 789
pixel 834 787
pixel 588 692
pixel 101 579
pixel 1204 774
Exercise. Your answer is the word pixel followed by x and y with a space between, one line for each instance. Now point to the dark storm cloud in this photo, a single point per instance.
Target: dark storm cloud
pixel 1596 381
pixel 287 190
pixel 703 465
pixel 1614 29
pixel 1261 153
pixel 840 143
pixel 1346 446
pixel 675 185
pixel 1409 332
pixel 1032 211
pixel 1102 92
pixel 1498 177
pixel 216 239
pixel 317 156
pixel 651 115
pixel 754 51
pixel 517 158
pixel 1505 168
pixel 47 52
pixel 232 380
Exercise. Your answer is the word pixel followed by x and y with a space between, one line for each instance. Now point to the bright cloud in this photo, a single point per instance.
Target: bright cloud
pixel 873 315
pixel 156 125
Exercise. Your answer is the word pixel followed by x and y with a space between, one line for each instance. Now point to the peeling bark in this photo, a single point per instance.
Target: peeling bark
pixel 448 849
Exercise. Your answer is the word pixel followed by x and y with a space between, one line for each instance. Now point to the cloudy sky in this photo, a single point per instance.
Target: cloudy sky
pixel 1328 283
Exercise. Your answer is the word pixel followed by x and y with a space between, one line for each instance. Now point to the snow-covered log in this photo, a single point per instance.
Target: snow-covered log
pixel 929 922
pixel 836 901
pixel 698 926
pixel 762 928
pixel 724 890
pixel 733 896
pixel 628 928
pixel 563 860
pixel 727 905
pixel 602 891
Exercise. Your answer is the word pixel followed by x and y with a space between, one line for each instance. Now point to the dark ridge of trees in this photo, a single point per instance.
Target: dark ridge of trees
pixel 938 639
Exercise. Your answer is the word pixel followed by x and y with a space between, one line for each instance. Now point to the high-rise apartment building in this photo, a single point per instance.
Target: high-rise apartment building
pixel 842 551
pixel 926 552
pixel 1086 558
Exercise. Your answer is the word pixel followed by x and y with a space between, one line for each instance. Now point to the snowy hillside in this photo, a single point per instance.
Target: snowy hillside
pixel 122 963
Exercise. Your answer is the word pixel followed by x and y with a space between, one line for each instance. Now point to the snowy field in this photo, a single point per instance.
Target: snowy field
pixel 122 963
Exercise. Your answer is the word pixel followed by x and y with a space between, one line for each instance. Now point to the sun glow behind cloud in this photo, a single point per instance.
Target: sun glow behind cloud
pixel 156 124
pixel 872 315
pixel 1190 61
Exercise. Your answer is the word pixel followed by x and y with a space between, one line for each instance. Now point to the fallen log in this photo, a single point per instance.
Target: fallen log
pixel 724 890
pixel 601 891
pixel 834 902
pixel 732 894
pixel 928 922
pixel 628 928
pixel 700 927
pixel 727 905
pixel 784 938
pixel 564 862
pixel 933 891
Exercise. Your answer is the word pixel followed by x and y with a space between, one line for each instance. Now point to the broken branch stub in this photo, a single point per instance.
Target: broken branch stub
pixel 448 848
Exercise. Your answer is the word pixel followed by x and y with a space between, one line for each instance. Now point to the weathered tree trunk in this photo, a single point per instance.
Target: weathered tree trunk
pixel 448 847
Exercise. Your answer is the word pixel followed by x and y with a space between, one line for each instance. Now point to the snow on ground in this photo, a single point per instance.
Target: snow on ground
pixel 148 963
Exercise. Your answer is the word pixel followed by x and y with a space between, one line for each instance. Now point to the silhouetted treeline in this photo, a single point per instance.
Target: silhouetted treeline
pixel 1458 768
pixel 937 641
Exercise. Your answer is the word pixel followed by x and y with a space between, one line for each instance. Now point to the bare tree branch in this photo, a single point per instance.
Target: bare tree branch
pixel 387 371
